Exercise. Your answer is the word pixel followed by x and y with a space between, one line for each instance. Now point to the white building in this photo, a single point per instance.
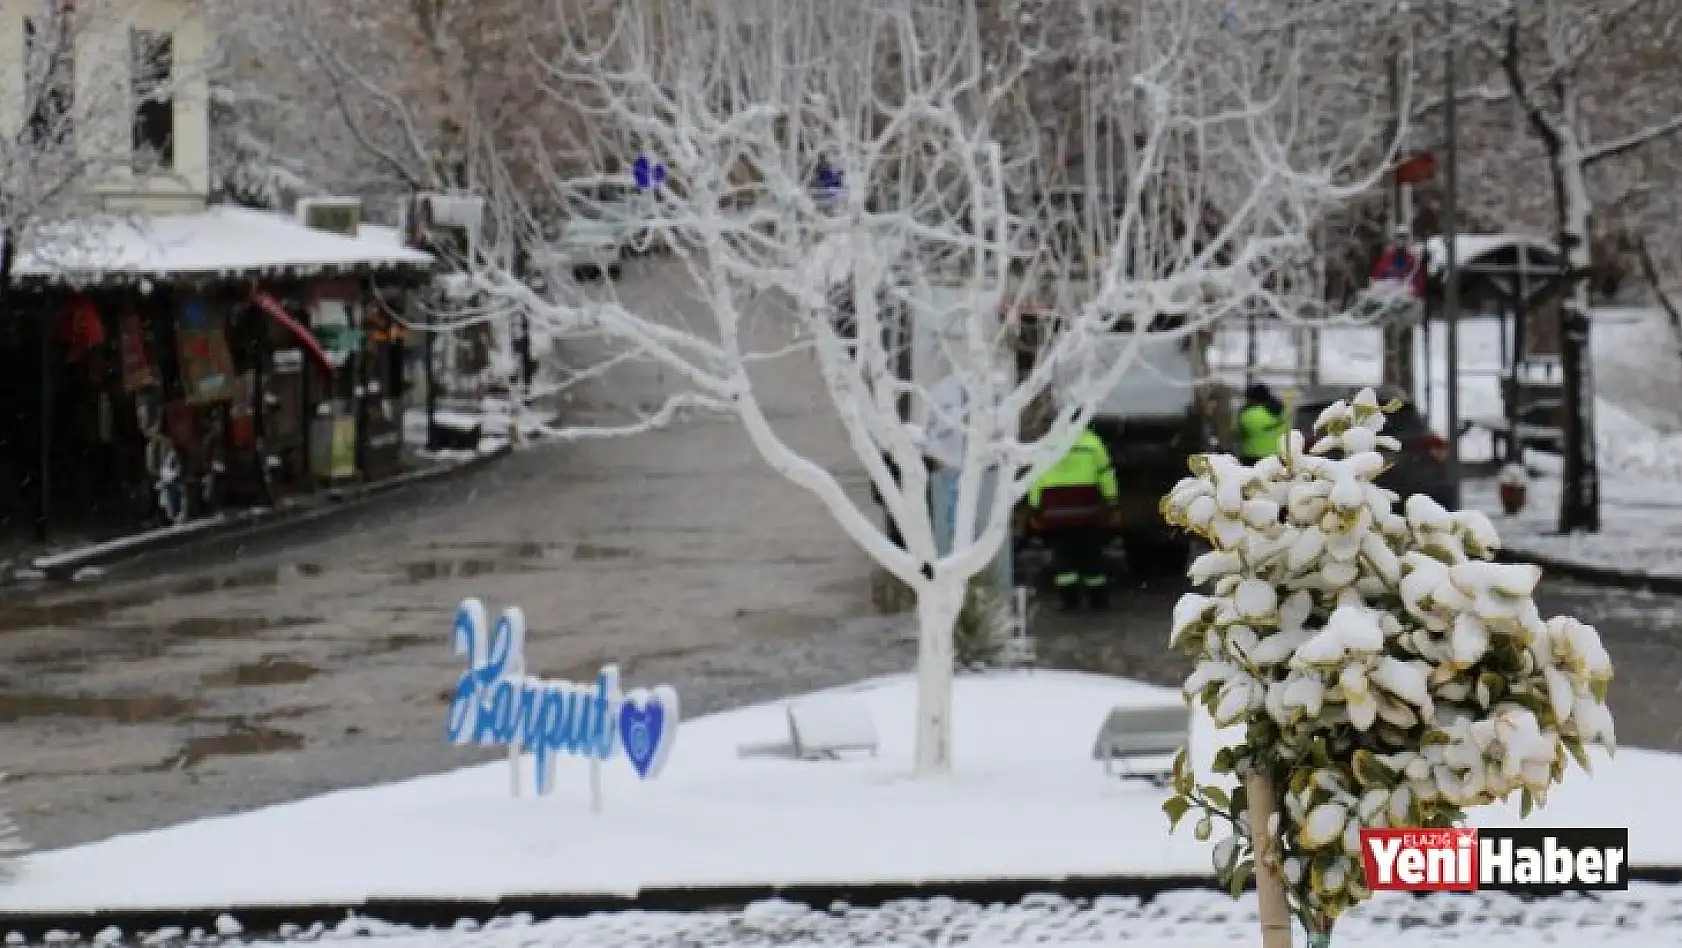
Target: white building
pixel 139 111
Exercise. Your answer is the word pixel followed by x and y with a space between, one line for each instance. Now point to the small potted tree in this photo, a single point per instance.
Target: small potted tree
pixel 1386 671
pixel 1513 486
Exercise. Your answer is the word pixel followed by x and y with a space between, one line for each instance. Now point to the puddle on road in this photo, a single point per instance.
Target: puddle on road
pixel 70 612
pixel 139 709
pixel 242 741
pixel 59 614
pixel 427 571
pixel 269 671
pixel 596 551
pixel 508 558
pixel 218 627
pixel 528 550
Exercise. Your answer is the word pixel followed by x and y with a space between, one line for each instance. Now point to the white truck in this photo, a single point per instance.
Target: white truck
pixel 603 218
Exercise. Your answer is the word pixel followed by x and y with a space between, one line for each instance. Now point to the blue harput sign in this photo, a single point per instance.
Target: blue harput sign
pixel 497 703
pixel 648 173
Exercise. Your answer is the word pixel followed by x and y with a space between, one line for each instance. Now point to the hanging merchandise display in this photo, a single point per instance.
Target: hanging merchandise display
pixel 79 329
pixel 207 367
pixel 138 369
pixel 333 325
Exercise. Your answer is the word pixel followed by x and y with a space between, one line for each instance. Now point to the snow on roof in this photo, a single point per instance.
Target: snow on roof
pixel 1470 247
pixel 380 235
pixel 224 241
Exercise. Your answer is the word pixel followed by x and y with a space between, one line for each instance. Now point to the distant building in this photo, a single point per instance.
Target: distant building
pixel 174 356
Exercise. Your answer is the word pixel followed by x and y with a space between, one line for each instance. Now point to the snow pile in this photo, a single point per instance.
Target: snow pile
pixel 1640 525
pixel 1391 675
pixel 1630 448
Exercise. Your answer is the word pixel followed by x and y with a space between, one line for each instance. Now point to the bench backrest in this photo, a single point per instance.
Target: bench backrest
pixel 1132 732
pixel 828 725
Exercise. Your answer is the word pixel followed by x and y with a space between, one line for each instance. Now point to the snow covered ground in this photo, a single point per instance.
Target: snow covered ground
pixel 1028 803
pixel 1638 376
pixel 1647 916
pixel 1640 528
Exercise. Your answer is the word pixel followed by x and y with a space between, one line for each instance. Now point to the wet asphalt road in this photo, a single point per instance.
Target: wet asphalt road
pixel 263 669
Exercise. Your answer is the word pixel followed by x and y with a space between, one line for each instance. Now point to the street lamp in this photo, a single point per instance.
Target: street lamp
pixel 1451 286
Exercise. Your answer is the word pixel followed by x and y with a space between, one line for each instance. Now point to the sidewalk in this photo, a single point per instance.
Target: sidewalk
pixel 71 561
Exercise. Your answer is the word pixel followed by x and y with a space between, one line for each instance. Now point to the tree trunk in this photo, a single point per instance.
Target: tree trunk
pixel 1579 504
pixel 938 605
pixel 1274 907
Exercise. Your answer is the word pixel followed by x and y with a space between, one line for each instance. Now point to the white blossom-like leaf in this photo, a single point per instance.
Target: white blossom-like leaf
pixel 1469 639
pixel 1324 824
pixel 1256 599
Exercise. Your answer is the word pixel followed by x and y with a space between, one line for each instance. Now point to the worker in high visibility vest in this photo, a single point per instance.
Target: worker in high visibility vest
pixel 1262 424
pixel 1071 506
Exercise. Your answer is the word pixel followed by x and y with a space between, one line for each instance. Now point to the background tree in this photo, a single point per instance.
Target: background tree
pixel 1588 102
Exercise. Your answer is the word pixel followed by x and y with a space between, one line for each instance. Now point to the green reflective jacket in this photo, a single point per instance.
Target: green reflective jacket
pixel 1086 465
pixel 1262 431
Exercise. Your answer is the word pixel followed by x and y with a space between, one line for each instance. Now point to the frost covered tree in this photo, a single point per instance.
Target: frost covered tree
pixel 1385 671
pixel 842 178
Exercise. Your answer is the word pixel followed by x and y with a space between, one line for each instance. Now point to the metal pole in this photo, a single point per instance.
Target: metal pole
pixel 1451 289
pixel 43 512
pixel 1515 379
pixel 1398 340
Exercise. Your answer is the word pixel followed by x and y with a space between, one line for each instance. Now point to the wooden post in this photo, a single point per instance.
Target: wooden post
pixel 1273 905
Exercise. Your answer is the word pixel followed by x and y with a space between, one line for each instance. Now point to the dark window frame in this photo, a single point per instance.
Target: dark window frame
pixel 151 83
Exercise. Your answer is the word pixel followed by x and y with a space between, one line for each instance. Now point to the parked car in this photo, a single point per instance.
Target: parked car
pixel 601 224
pixel 1420 467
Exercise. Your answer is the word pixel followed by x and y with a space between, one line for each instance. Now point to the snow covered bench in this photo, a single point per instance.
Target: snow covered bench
pixel 822 729
pixel 1129 735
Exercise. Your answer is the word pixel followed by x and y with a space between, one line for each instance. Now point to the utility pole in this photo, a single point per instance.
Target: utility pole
pixel 1451 288
pixel 1398 339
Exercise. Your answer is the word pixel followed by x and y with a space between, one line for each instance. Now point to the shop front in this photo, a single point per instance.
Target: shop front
pixel 163 394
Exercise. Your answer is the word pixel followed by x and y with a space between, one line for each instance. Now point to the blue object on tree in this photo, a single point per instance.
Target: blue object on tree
pixel 829 180
pixel 647 174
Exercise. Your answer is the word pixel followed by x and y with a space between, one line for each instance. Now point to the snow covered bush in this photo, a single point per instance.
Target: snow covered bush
pixel 1387 673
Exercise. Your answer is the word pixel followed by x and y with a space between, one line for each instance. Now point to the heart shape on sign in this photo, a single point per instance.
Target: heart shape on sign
pixel 647 727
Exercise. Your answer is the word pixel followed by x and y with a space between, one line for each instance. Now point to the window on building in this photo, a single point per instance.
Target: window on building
pixel 49 79
pixel 152 66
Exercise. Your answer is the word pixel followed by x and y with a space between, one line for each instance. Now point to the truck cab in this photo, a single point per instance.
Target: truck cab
pixel 602 219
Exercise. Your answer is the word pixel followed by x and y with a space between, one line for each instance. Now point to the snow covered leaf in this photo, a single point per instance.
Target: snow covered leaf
pixel 1256 599
pixel 1324 824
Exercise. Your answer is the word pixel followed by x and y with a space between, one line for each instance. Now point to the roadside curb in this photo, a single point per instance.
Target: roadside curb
pixel 64 566
pixel 270 920
pixel 1600 575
